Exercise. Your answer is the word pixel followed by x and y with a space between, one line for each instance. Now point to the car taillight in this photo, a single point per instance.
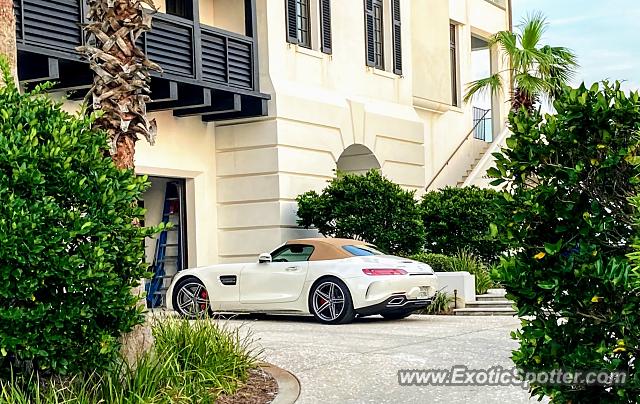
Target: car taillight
pixel 384 271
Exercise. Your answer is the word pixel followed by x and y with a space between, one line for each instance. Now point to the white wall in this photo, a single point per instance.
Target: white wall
pixel 185 148
pixel 445 125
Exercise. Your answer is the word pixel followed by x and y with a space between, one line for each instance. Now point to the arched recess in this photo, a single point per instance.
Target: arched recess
pixel 357 159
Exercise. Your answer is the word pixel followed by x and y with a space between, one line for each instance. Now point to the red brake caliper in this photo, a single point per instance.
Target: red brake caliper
pixel 203 295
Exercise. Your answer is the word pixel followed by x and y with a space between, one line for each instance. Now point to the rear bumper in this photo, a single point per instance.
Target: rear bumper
pixel 375 291
pixel 394 304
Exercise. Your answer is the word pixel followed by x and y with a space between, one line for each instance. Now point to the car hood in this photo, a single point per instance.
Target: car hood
pixel 392 261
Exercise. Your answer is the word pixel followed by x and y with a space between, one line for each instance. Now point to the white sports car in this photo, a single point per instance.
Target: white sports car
pixel 333 279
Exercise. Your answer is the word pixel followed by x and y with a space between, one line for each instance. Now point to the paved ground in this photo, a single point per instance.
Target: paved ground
pixel 358 363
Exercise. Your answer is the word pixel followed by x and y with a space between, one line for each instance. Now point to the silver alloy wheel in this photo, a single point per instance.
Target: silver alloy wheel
pixel 328 301
pixel 193 299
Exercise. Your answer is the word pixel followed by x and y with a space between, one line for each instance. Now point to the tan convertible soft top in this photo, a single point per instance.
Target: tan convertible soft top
pixel 327 248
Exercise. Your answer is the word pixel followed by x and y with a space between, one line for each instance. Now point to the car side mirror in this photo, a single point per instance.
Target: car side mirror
pixel 264 258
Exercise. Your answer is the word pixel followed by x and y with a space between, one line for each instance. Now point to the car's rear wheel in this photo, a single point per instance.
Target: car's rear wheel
pixel 397 315
pixel 191 298
pixel 330 302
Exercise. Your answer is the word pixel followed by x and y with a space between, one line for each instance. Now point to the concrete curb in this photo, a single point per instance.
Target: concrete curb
pixel 288 384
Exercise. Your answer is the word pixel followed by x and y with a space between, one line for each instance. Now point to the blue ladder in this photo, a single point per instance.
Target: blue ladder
pixel 157 289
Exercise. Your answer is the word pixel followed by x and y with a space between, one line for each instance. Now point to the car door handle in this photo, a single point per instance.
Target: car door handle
pixel 291 269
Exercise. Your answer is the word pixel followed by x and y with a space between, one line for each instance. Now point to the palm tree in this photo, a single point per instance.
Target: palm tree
pixel 8 36
pixel 536 71
pixel 121 73
pixel 121 89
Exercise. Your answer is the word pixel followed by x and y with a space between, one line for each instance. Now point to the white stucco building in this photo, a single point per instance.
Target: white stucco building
pixel 262 100
pixel 327 112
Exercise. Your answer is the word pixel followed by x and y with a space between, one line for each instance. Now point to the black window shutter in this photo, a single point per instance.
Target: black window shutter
pixel 397 37
pixel 291 21
pixel 368 26
pixel 325 26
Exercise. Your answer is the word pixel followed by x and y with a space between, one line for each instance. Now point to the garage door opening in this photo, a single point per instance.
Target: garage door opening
pixel 166 253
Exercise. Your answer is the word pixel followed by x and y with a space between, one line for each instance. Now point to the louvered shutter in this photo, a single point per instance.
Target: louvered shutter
pixel 325 26
pixel 291 21
pixel 397 37
pixel 368 26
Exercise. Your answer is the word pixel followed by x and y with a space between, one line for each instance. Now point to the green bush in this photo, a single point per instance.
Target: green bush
pixel 463 261
pixel 437 262
pixel 568 216
pixel 69 251
pixel 206 355
pixel 367 207
pixel 441 304
pixel 458 219
pixel 191 362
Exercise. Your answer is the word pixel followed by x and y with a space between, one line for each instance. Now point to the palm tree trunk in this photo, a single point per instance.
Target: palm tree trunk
pixel 121 80
pixel 120 90
pixel 8 37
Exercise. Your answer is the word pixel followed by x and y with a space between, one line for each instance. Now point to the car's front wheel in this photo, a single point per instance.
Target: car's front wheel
pixel 191 298
pixel 330 302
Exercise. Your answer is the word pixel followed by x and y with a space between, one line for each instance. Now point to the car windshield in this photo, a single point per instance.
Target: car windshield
pixel 362 250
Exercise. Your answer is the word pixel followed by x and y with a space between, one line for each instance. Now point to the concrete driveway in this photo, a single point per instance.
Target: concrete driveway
pixel 359 362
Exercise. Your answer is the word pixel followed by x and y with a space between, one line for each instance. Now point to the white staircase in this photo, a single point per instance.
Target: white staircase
pixel 477 174
pixel 493 303
pixel 481 153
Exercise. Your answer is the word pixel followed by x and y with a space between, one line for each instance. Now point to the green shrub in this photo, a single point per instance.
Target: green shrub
pixel 190 363
pixel 458 219
pixel 568 216
pixel 438 262
pixel 367 207
pixel 69 253
pixel 441 304
pixel 463 261
pixel 205 353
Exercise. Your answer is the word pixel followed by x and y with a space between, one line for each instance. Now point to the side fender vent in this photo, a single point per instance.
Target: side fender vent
pixel 228 280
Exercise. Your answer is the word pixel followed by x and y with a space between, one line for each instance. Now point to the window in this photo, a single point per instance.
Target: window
pixel 383 34
pixel 453 51
pixel 378 34
pixel 308 24
pixel 303 17
pixel 180 8
pixel 362 250
pixel 292 253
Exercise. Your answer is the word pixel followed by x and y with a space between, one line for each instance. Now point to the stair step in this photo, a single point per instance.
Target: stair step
pixel 485 312
pixel 497 291
pixel 490 297
pixel 495 304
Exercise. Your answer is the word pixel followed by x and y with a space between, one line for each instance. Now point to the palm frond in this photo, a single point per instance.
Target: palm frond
pixel 530 84
pixel 491 84
pixel 532 29
pixel 507 40
pixel 560 69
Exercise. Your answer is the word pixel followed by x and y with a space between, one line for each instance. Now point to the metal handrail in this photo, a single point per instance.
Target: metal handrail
pixel 471 132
